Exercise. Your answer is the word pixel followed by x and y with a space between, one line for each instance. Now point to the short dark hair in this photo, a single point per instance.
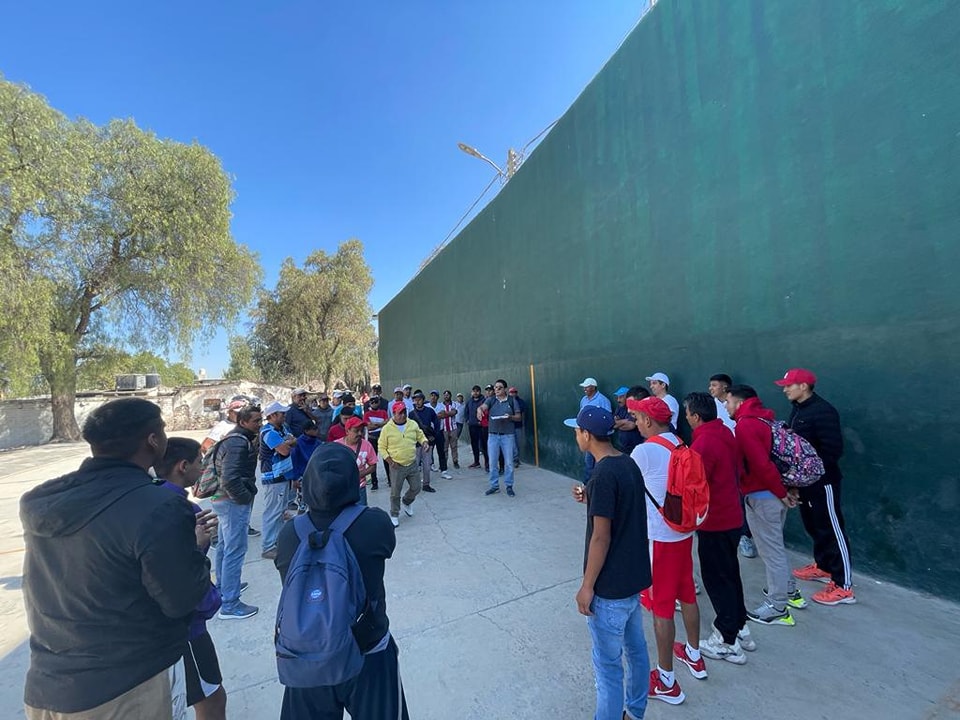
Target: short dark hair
pixel 742 392
pixel 178 448
pixel 601 438
pixel 502 382
pixel 723 378
pixel 702 404
pixel 347 398
pixel 244 414
pixel 477 388
pixel 118 428
pixel 638 392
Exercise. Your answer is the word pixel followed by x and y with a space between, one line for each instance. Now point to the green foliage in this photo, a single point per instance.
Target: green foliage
pixel 242 366
pixel 316 325
pixel 113 236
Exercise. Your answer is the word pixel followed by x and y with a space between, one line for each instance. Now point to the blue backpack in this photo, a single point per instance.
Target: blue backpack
pixel 322 598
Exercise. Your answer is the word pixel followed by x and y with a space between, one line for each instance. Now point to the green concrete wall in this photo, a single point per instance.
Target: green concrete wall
pixel 746 186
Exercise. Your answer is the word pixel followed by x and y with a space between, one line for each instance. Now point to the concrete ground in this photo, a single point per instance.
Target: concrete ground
pixel 480 597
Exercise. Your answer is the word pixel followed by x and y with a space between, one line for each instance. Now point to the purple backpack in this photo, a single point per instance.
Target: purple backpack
pixel 322 597
pixel 795 458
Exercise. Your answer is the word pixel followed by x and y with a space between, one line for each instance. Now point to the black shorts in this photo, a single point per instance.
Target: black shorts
pixel 202 669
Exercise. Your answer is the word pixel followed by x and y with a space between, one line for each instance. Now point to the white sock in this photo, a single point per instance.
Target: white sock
pixel 693 653
pixel 665 677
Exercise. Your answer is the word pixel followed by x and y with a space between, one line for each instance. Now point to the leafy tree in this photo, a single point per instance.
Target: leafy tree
pixel 242 366
pixel 316 324
pixel 114 236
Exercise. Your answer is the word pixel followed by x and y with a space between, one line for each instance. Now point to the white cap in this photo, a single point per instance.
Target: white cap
pixel 338 393
pixel 275 407
pixel 659 376
pixel 587 382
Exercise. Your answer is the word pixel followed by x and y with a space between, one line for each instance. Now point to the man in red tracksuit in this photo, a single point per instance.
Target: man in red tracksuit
pixel 766 502
pixel 719 536
pixel 817 422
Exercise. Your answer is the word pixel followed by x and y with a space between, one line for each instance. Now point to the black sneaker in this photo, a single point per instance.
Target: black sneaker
pixel 510 492
pixel 427 488
pixel 493 491
pixel 374 487
pixel 252 532
pixel 456 466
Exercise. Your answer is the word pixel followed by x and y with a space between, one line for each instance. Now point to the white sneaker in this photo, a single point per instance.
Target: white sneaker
pixel 395 521
pixel 408 509
pixel 446 475
pixel 433 468
pixel 746 640
pixel 716 649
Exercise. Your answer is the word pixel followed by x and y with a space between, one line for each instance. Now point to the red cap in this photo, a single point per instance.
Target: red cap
pixel 397 407
pixel 512 390
pixel 353 422
pixel 654 407
pixel 795 376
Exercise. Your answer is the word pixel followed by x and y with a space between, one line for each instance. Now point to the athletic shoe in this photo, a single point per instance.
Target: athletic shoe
pixel 472 465
pixel 492 491
pixel 746 639
pixel 446 475
pixel 456 465
pixel 672 695
pixel 433 468
pixel 716 649
pixel 241 612
pixel 811 573
pixel 427 488
pixel 270 554
pixel 374 487
pixel 794 599
pixel 253 532
pixel 408 509
pixel 395 520
pixel 698 669
pixel 510 491
pixel 833 594
pixel 244 586
pixel 767 614
pixel 747 547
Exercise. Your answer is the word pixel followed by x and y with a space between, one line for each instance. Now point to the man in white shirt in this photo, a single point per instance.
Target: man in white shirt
pixel 660 387
pixel 670 554
pixel 719 385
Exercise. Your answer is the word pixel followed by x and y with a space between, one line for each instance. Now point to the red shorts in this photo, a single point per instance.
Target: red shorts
pixel 671 565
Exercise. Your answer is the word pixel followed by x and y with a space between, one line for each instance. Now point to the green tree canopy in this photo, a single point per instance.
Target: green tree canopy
pixel 316 325
pixel 114 236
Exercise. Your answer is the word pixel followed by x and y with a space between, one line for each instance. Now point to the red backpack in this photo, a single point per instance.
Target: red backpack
pixel 688 495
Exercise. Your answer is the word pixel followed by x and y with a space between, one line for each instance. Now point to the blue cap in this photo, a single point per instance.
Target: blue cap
pixel 622 390
pixel 595 420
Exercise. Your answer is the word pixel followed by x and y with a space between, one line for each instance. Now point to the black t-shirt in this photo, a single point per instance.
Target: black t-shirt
pixel 615 491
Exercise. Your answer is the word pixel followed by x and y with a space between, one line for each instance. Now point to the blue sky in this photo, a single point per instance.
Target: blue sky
pixel 336 120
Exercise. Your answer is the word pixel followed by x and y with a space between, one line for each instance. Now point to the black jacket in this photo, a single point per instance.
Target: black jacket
pixel 111 576
pixel 818 422
pixel 237 462
pixel 297 419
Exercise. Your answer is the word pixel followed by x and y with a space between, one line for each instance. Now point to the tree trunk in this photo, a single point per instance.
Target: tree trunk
pixel 59 367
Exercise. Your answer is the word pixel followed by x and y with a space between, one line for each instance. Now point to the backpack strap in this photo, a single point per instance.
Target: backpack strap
pixel 663 442
pixel 305 527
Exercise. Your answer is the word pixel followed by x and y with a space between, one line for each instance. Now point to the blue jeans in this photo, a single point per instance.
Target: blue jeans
pixel 231 548
pixel 517 437
pixel 495 445
pixel 275 498
pixel 616 629
pixel 363 496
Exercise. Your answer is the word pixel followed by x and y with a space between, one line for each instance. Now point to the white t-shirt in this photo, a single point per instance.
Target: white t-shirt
pixel 654 460
pixel 674 406
pixel 218 431
pixel 724 416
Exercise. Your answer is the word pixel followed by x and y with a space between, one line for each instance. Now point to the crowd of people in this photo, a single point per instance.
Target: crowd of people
pixel 630 458
pixel 132 635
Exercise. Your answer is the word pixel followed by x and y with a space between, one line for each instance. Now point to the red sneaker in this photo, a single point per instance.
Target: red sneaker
pixel 812 573
pixel 832 594
pixel 698 669
pixel 672 695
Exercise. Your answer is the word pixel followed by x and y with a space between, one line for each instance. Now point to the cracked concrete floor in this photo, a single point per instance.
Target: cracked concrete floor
pixel 480 596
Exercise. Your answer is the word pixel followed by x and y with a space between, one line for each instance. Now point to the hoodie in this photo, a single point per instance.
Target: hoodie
pixel 112 574
pixel 756 440
pixel 330 483
pixel 722 462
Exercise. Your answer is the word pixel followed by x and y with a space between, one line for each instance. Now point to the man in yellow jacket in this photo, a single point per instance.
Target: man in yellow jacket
pixel 399 441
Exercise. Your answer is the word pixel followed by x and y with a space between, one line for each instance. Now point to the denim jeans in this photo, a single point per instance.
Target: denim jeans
pixel 275 498
pixel 231 548
pixel 495 445
pixel 616 629
pixel 517 438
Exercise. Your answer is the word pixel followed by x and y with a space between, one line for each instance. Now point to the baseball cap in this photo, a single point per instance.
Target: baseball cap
pixel 275 407
pixel 595 420
pixel 323 396
pixel 622 390
pixel 662 377
pixel 397 407
pixel 346 398
pixel 353 422
pixel 654 407
pixel 397 389
pixel 512 390
pixel 795 376
pixel 587 382
pixel 236 405
pixel 408 387
pixel 376 386
pixel 338 393
pixel 299 391
pixel 488 387
pixel 435 392
pixel 418 393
